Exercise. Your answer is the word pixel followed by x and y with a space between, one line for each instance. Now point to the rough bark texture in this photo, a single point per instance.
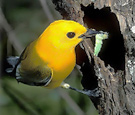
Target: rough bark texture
pixel 113 72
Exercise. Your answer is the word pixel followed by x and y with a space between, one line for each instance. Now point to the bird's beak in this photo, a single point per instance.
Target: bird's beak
pixel 89 33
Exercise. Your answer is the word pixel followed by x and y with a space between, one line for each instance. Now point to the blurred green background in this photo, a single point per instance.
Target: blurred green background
pixel 20 23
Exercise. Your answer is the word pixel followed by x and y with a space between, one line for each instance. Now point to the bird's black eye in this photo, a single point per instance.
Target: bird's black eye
pixel 70 34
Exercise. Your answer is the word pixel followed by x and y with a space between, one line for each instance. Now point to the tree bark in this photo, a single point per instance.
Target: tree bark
pixel 113 71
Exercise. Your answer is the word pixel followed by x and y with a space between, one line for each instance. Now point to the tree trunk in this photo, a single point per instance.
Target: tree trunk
pixel 113 71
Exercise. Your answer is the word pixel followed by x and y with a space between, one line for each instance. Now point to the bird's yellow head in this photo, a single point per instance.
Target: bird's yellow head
pixel 63 34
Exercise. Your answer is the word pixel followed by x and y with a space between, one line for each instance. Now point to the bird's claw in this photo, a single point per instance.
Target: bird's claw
pixel 93 93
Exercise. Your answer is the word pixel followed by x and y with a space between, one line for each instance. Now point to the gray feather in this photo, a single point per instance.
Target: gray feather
pixel 12 61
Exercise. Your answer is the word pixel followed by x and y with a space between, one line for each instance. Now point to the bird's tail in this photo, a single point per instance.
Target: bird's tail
pixel 12 61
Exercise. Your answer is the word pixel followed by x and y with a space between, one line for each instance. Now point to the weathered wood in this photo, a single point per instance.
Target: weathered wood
pixel 114 75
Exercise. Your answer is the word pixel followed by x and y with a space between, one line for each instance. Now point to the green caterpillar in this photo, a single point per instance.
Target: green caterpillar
pixel 99 41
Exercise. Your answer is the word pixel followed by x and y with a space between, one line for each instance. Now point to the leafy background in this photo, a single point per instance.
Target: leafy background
pixel 20 23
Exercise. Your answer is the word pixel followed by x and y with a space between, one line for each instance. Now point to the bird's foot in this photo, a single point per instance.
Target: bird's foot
pixel 93 93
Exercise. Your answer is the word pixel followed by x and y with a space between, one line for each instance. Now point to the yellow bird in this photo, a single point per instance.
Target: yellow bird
pixel 48 60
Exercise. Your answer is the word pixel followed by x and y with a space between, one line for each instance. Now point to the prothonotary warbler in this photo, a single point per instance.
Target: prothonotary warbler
pixel 48 60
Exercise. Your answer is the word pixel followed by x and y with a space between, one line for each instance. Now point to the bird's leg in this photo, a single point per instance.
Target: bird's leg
pixel 90 93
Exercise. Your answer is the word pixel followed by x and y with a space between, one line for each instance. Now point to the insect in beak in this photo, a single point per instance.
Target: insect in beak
pixel 89 33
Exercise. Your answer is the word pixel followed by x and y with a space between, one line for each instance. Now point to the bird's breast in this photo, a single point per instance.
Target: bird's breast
pixel 62 66
pixel 60 61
